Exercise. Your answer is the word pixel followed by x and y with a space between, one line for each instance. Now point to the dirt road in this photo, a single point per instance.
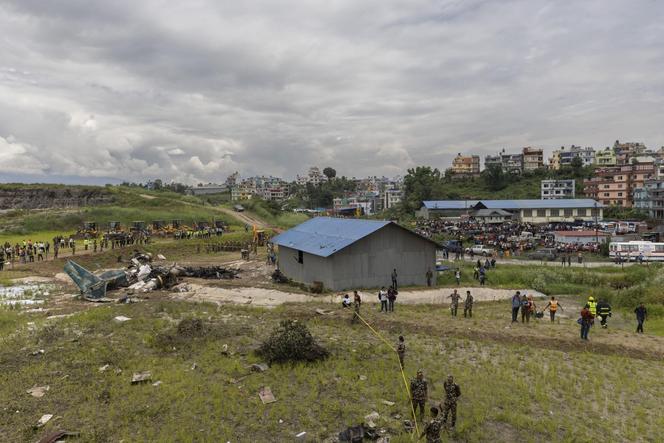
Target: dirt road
pixel 271 297
pixel 246 219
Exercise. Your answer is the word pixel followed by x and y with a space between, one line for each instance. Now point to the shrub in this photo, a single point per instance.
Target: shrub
pixel 291 341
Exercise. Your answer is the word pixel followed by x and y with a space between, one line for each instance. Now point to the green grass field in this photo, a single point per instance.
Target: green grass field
pixel 534 382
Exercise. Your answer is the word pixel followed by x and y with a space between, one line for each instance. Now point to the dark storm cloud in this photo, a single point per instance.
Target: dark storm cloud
pixel 195 90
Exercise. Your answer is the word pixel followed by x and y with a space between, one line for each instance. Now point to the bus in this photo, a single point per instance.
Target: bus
pixel 631 250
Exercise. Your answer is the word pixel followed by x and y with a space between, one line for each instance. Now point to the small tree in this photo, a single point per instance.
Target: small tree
pixel 330 173
pixel 291 341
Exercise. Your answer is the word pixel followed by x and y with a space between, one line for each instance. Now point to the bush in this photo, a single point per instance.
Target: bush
pixel 291 341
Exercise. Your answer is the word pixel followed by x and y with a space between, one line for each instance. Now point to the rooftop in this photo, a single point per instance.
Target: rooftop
pixel 512 204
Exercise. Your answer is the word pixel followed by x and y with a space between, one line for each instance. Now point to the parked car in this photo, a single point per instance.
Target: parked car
pixel 238 208
pixel 452 246
pixel 481 250
pixel 545 254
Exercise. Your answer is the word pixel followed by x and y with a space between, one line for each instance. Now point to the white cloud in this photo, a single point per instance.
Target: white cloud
pixel 201 89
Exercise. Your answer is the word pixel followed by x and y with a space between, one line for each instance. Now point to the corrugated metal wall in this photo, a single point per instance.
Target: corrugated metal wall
pixel 368 263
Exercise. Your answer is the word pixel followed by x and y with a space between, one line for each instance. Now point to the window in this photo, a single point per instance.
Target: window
pixel 300 257
pixel 606 194
pixel 541 212
pixel 568 212
pixel 620 194
pixel 555 212
pixel 527 212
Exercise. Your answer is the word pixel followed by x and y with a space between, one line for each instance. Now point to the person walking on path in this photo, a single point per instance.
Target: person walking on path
pixel 586 321
pixel 468 305
pixel 394 279
pixel 419 392
pixel 604 312
pixel 641 316
pixel 457 276
pixel 452 394
pixel 553 306
pixel 516 304
pixel 382 297
pixel 454 304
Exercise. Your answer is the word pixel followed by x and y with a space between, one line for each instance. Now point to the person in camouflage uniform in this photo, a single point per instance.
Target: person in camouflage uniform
pixel 357 302
pixel 454 305
pixel 433 428
pixel 401 349
pixel 468 305
pixel 419 391
pixel 452 394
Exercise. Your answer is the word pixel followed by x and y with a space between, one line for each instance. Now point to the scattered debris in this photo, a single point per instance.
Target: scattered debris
pixel 363 378
pixel 301 434
pixel 266 396
pixel 279 277
pixel 354 434
pixel 371 419
pixel 194 366
pixel 104 368
pixel 259 367
pixel 141 377
pixel 56 436
pixel 121 319
pixel 43 420
pixel 161 257
pixel 37 352
pixel 224 350
pixel 38 391
pixel 408 426
pixel 323 312
pixel 388 403
pixel 157 383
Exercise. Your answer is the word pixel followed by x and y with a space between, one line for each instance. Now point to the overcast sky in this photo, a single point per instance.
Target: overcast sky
pixel 194 90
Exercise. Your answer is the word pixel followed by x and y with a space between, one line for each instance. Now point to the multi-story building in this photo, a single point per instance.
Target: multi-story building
pixel 493 160
pixel 512 163
pixel 466 165
pixel 391 197
pixel 533 158
pixel 314 176
pixel 615 185
pixel 625 151
pixel 649 198
pixel 555 189
pixel 563 157
pixel 208 189
pixel 243 191
pixel 606 157
pixel 233 179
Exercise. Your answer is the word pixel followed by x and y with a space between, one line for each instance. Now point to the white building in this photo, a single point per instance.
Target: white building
pixel 314 176
pixel 391 197
pixel 554 189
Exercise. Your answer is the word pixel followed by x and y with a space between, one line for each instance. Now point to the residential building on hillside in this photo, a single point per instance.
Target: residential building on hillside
pixel 512 163
pixel 233 179
pixel 563 157
pixel 314 176
pixel 391 197
pixel 625 151
pixel 615 185
pixel 649 198
pixel 493 160
pixel 606 157
pixel 531 211
pixel 466 165
pixel 533 158
pixel 210 188
pixel 554 189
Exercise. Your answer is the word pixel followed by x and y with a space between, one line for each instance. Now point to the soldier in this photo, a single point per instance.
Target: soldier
pixel 454 305
pixel 2 260
pixel 432 429
pixel 357 302
pixel 468 305
pixel 401 349
pixel 418 391
pixel 452 394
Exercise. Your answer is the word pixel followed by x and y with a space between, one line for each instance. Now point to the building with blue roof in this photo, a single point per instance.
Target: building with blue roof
pixel 531 211
pixel 345 254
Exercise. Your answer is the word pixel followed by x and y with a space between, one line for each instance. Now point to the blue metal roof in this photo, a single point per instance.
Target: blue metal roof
pixel 514 204
pixel 323 236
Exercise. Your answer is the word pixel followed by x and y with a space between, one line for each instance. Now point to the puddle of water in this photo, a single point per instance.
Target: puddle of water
pixel 25 294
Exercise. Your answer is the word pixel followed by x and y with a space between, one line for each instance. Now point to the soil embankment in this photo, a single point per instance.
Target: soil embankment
pixel 47 197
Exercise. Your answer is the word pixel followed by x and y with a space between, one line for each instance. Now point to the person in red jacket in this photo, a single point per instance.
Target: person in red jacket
pixel 586 321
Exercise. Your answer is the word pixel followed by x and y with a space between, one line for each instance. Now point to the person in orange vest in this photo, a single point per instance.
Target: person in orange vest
pixel 553 306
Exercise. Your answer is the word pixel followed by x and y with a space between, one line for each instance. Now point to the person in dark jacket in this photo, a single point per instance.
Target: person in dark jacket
pixel 641 316
pixel 586 321
pixel 603 312
pixel 516 304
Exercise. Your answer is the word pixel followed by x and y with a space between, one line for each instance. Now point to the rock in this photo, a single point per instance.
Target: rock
pixel 301 434
pixel 388 403
pixel 370 419
pixel 104 368
pixel 259 367
pixel 43 420
pixel 363 377
pixel 141 377
pixel 121 318
pixel 38 391
pixel 157 383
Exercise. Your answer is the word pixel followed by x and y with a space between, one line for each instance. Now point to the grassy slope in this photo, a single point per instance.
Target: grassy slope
pixel 259 209
pixel 130 204
pixel 524 383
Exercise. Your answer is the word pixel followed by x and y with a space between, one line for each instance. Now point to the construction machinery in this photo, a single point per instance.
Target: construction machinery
pixel 114 226
pixel 137 226
pixel 88 230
